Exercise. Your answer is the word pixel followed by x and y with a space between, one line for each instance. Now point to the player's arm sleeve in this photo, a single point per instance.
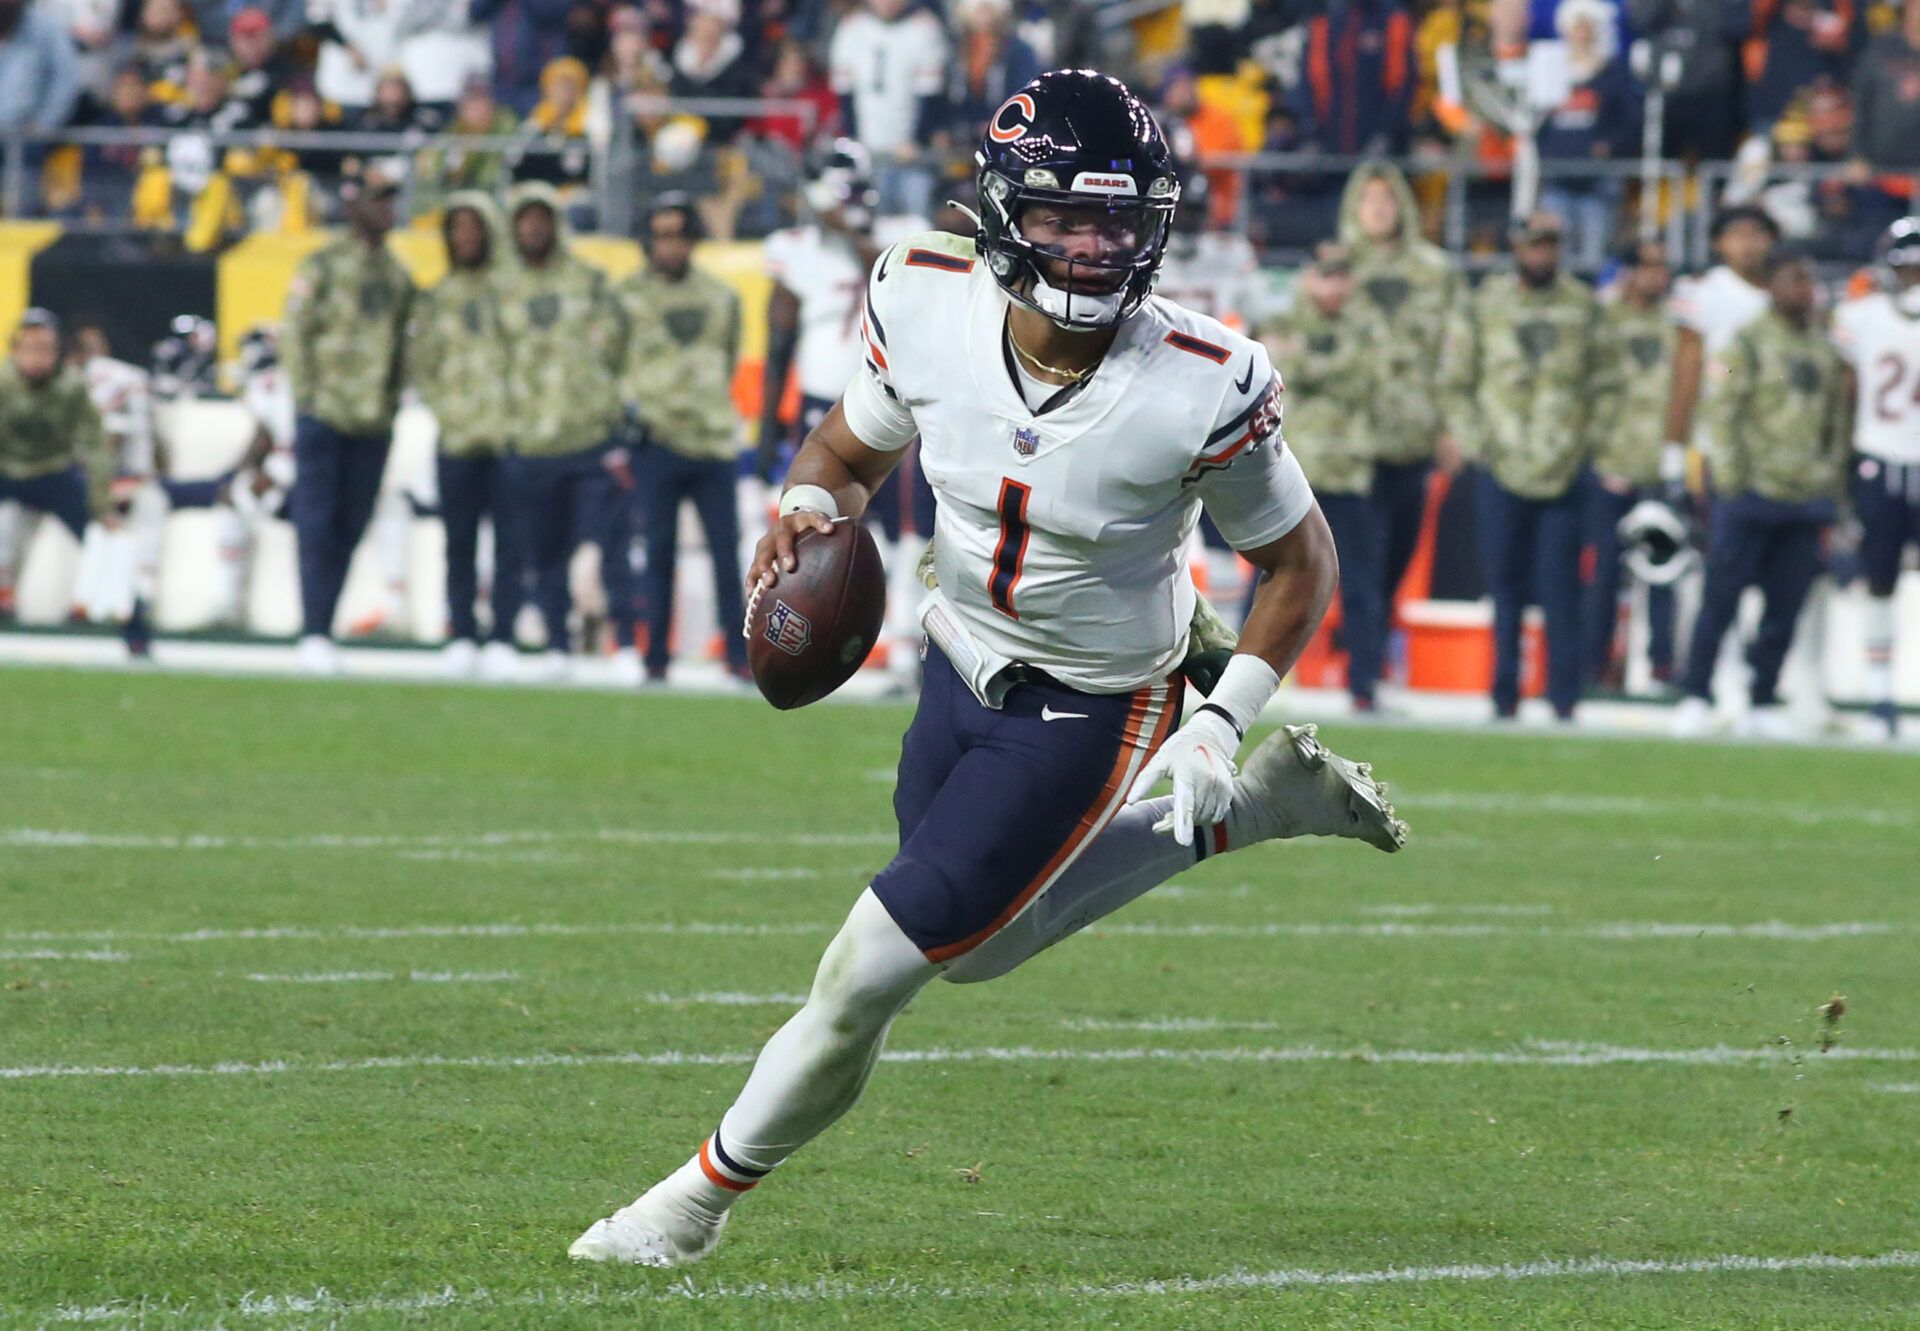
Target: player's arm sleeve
pixel 1846 338
pixel 872 404
pixel 303 300
pixel 1727 413
pixel 94 452
pixel 1459 377
pixel 1248 479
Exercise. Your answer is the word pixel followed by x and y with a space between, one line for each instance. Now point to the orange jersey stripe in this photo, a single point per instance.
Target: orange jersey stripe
pixel 1105 805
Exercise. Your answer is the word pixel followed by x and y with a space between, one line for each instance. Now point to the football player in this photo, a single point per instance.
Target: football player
pixel 1879 335
pixel 813 327
pixel 1072 427
pixel 1711 310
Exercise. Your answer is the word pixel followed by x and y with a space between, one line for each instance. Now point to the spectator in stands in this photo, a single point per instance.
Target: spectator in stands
pixel 394 110
pixel 344 337
pixel 39 77
pixel 162 45
pixel 1781 445
pixel 1355 94
pixel 1886 96
pixel 209 103
pixel 1211 128
pixel 682 348
pixel 1628 429
pixel 889 67
pixel 108 172
pixel 1523 371
pixel 589 32
pixel 303 110
pixel 527 35
pixel 566 333
pixel 94 27
pixel 1598 120
pixel 357 42
pixel 1702 110
pixel 556 130
pixel 1791 46
pixel 992 63
pixel 449 169
pixel 458 359
pixel 257 70
pixel 795 77
pixel 710 60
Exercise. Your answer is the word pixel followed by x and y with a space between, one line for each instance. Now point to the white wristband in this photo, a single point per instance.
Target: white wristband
pixel 1245 687
pixel 809 499
pixel 1673 462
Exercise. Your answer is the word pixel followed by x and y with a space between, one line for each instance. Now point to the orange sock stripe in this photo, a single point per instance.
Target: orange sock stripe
pixel 1145 731
pixel 716 1177
pixel 1219 838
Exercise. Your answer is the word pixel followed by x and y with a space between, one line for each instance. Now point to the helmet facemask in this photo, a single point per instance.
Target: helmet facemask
pixel 1032 233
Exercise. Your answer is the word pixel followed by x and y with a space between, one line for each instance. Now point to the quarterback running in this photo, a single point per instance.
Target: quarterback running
pixel 1073 427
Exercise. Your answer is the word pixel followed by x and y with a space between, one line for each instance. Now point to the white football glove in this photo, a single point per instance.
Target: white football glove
pixel 1199 762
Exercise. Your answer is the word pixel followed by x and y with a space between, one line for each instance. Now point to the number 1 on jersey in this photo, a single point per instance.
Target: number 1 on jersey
pixel 1011 553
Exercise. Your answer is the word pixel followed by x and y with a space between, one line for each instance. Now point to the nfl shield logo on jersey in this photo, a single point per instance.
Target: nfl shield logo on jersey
pixel 788 629
pixel 1025 442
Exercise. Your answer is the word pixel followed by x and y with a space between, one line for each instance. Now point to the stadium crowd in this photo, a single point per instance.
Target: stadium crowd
pixel 1773 84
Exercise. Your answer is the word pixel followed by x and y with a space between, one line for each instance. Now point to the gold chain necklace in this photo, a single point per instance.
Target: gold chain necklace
pixel 1034 362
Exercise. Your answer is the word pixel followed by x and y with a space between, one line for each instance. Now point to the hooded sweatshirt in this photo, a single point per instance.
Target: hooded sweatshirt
pixel 566 337
pixel 457 353
pixel 1404 293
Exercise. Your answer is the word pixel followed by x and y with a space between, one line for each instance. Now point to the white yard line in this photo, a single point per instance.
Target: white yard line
pixel 1412 801
pixel 321 1304
pixel 724 1000
pixel 764 874
pixel 1895 1087
pixel 1613 931
pixel 41 838
pixel 47 954
pixel 371 977
pixel 1534 1054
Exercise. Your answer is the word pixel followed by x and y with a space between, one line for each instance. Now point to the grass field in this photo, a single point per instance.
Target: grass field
pixel 338 1004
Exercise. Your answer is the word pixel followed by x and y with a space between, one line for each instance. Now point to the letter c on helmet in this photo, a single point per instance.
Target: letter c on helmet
pixel 1004 128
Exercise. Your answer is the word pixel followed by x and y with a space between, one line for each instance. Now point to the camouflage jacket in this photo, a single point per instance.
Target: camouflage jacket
pixel 1780 418
pixel 1320 359
pixel 344 336
pixel 50 427
pixel 1521 368
pixel 457 350
pixel 566 335
pixel 1630 425
pixel 683 339
pixel 1404 294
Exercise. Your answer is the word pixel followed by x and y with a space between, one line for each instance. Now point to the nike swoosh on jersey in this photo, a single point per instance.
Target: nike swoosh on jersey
pixel 1242 385
pixel 1048 714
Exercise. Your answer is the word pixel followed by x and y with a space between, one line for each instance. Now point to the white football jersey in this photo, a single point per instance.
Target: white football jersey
pixel 1062 535
pixel 886 68
pixel 1883 346
pixel 268 394
pixel 121 394
pixel 823 273
pixel 1717 305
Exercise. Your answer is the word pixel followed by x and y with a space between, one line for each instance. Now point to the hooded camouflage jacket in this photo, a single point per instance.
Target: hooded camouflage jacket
pixel 457 349
pixel 51 426
pixel 1319 355
pixel 345 336
pixel 1631 424
pixel 1404 293
pixel 1521 368
pixel 682 342
pixel 566 336
pixel 1780 417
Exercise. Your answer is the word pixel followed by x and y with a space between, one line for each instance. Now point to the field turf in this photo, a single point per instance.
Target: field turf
pixel 352 1004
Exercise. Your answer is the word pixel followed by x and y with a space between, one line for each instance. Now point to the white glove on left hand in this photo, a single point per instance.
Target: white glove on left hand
pixel 1199 761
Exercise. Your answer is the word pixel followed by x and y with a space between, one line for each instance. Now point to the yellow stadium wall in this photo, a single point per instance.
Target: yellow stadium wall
pixel 19 242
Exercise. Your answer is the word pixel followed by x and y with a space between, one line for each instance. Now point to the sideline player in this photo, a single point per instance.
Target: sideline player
pixel 1072 427
pixel 1711 309
pixel 1879 334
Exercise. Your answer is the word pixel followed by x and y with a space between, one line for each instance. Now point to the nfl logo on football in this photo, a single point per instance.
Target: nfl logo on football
pixel 788 629
pixel 1025 442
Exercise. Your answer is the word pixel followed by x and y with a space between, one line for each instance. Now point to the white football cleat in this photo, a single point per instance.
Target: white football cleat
pixel 1293 785
pixel 499 662
pixel 460 658
pixel 555 667
pixel 628 673
pixel 316 655
pixel 1692 718
pixel 651 1232
pixel 1771 723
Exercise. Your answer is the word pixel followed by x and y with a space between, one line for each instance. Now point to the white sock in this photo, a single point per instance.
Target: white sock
pixel 813 1069
pixel 1880 648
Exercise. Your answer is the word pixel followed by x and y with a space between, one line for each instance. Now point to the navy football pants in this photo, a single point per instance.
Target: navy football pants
pixel 559 502
pixel 993 806
pixel 665 478
pixel 337 480
pixel 1530 549
pixel 473 487
pixel 1760 543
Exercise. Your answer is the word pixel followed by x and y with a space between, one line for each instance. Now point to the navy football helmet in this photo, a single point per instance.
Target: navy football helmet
pixel 1896 255
pixel 1077 140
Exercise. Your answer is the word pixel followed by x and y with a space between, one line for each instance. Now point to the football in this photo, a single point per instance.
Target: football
pixel 809 631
